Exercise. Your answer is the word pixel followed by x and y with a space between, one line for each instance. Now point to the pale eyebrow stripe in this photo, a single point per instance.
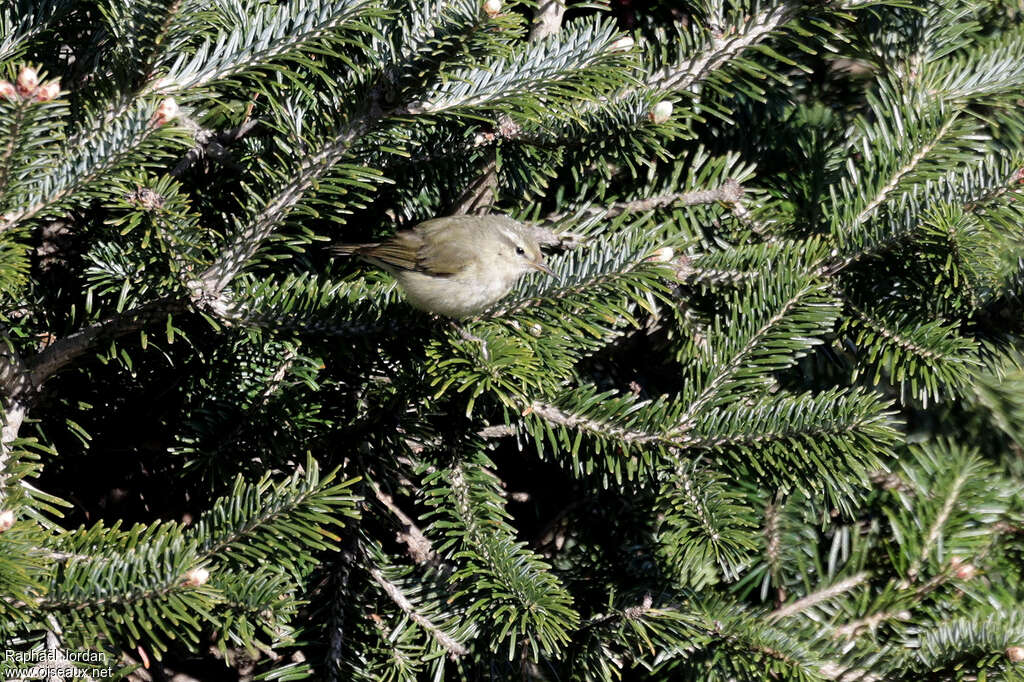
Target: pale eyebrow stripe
pixel 510 236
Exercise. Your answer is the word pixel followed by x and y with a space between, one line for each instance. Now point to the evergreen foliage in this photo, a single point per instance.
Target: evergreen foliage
pixel 766 423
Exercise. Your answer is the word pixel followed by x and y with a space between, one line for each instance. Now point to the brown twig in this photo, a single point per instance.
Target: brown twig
pixel 547 19
pixel 479 196
pixel 19 392
pixel 212 144
pixel 420 548
pixel 64 350
pixel 729 192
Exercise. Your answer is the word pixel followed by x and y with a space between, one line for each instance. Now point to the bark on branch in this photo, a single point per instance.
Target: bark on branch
pixel 64 350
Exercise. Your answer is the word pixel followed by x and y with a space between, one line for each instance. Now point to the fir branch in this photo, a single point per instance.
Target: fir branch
pixel 935 530
pixel 23 20
pixel 452 646
pixel 640 635
pixel 960 233
pixel 941 519
pixel 136 575
pixel 721 49
pixel 745 265
pixel 706 532
pixel 508 584
pixel 730 192
pixel 813 440
pixel 207 289
pixel 979 639
pixel 17 130
pixel 83 163
pixel 750 645
pixel 944 357
pixel 990 70
pixel 597 427
pixel 882 194
pixel 269 35
pixel 802 295
pixel 312 304
pixel 822 417
pixel 527 81
pixel 982 185
pixel 818 417
pixel 233 527
pixel 897 176
pixel 835 590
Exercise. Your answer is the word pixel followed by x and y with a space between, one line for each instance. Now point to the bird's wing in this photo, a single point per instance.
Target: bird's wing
pixel 401 251
pixel 440 247
pixel 449 245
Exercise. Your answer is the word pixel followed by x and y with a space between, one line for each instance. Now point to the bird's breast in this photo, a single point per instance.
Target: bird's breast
pixel 466 293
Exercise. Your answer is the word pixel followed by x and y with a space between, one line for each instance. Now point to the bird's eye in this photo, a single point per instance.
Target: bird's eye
pixel 519 251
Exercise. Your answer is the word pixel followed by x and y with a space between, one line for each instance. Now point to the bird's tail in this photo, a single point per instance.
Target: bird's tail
pixel 349 249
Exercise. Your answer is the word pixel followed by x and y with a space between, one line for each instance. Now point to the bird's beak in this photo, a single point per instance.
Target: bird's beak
pixel 543 267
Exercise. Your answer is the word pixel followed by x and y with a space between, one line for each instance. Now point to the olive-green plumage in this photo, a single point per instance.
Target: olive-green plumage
pixel 459 265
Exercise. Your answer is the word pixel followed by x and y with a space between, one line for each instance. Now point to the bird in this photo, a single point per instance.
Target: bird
pixel 456 266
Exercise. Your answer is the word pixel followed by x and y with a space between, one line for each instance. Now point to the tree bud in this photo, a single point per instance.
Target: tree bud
pixel 965 571
pixel 7 90
pixel 167 111
pixel 623 44
pixel 48 91
pixel 197 577
pixel 6 520
pixel 661 112
pixel 492 8
pixel 662 255
pixel 28 80
pixel 1015 653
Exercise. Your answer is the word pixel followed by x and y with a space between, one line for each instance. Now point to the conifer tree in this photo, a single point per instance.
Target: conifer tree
pixel 766 423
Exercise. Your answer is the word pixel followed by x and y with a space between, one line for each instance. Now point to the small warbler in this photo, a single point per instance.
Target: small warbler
pixel 456 266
